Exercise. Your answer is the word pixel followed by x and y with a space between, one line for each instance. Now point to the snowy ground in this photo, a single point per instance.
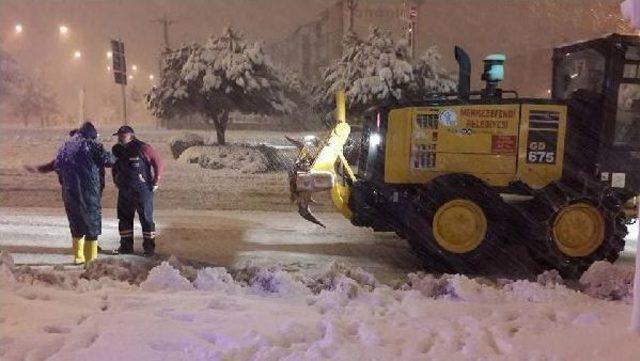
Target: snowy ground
pixel 222 238
pixel 333 313
pixel 185 186
pixel 306 308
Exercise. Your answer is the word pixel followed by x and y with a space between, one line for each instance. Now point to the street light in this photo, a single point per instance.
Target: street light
pixel 64 30
pixel 77 54
pixel 109 54
pixel 130 77
pixel 19 28
pixel 134 67
pixel 151 77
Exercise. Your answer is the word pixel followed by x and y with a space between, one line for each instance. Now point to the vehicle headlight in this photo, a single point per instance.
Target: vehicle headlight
pixel 375 139
pixel 310 140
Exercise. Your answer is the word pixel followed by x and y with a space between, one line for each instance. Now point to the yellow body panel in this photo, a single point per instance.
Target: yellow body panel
pixel 398 145
pixel 488 141
pixel 340 198
pixel 536 166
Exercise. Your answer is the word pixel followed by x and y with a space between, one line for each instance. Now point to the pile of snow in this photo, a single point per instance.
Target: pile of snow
pixel 118 269
pixel 179 145
pixel 165 278
pixel 216 279
pixel 336 313
pixel 609 281
pixel 244 159
pixel 241 157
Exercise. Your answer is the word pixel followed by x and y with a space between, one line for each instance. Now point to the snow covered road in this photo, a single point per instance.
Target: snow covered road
pixel 266 313
pixel 229 239
pixel 222 238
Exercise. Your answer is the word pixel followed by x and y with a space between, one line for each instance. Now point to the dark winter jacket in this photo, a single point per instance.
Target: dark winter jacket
pixel 137 165
pixel 51 166
pixel 79 163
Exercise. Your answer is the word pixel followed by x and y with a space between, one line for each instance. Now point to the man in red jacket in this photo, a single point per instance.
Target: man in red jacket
pixel 136 173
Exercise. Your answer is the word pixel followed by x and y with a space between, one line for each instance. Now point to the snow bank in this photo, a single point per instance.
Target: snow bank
pixel 274 280
pixel 338 313
pixel 216 279
pixel 165 278
pixel 118 269
pixel 193 149
pixel 241 158
pixel 179 145
pixel 608 281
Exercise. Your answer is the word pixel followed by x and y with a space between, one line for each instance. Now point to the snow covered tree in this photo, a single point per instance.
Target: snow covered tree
pixel 378 71
pixel 10 75
pixel 34 98
pixel 225 74
pixel 430 76
pixel 374 71
pixel 294 88
pixel 170 98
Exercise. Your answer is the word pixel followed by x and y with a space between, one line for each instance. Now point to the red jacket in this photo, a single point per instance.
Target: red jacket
pixel 149 156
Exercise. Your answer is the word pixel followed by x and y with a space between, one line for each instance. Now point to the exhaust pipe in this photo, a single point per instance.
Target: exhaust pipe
pixel 341 106
pixel 464 72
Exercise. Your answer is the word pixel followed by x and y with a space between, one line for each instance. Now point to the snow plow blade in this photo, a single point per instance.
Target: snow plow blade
pixel 315 167
pixel 307 183
pixel 305 212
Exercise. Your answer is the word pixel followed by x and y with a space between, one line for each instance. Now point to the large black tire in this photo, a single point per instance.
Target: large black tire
pixel 492 255
pixel 542 212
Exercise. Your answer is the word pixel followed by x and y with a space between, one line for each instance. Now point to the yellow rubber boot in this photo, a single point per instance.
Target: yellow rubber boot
pixel 90 250
pixel 78 250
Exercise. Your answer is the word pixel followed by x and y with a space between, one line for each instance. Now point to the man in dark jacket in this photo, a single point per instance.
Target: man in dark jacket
pixel 137 174
pixel 79 163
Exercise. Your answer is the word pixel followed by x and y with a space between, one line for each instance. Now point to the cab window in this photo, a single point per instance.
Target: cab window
pixel 583 69
pixel 627 129
pixel 631 68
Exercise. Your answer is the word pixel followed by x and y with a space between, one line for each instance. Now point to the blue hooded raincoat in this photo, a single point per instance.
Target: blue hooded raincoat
pixel 79 163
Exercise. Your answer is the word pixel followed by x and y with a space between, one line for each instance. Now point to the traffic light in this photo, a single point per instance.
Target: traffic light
pixel 119 62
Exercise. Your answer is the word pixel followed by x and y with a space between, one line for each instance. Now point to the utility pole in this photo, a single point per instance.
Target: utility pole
pixel 351 8
pixel 165 22
pixel 124 103
pixel 409 20
pixel 82 108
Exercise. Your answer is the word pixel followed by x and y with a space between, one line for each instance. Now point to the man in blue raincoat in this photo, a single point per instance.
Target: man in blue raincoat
pixel 79 164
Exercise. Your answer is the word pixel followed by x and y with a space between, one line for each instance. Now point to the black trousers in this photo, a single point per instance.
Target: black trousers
pixel 130 201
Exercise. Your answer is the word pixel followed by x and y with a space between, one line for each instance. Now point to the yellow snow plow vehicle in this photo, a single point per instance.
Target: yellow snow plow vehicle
pixel 473 177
